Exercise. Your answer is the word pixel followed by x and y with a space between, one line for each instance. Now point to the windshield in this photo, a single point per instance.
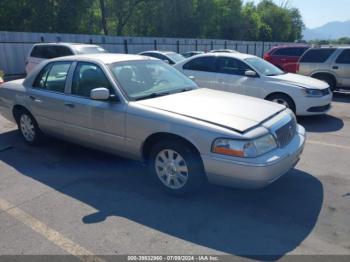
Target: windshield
pixel 263 66
pixel 175 57
pixel 147 79
pixel 91 50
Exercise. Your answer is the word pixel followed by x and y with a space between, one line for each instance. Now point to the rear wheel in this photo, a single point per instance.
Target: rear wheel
pixel 282 99
pixel 177 167
pixel 28 127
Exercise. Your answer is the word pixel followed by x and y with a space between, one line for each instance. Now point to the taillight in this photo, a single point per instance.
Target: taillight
pixel 267 56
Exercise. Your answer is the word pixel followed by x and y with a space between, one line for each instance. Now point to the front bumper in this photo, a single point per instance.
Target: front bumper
pixel 258 172
pixel 313 105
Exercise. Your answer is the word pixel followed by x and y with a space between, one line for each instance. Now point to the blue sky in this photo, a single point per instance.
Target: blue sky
pixel 319 12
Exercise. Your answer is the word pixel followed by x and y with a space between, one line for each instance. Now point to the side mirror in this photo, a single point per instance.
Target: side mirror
pixel 100 93
pixel 166 61
pixel 250 73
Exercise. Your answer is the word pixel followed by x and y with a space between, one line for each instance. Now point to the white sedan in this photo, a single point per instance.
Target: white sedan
pixel 250 75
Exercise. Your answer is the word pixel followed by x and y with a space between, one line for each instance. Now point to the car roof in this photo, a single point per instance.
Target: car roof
pixel 65 44
pixel 333 47
pixel 233 55
pixel 106 58
pixel 223 50
pixel 194 52
pixel 274 48
pixel 290 46
pixel 159 52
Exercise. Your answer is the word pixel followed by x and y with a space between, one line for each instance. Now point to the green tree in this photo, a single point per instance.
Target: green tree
pixel 225 19
pixel 251 22
pixel 276 18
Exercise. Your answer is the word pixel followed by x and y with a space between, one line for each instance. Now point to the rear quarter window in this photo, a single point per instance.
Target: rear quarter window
pixel 37 52
pixel 344 57
pixel 317 55
pixel 50 51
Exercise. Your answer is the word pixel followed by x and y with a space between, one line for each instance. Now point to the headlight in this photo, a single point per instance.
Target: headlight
pixel 312 92
pixel 244 148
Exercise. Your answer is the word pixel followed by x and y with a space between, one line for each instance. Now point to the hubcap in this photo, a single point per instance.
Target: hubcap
pixel 171 169
pixel 281 102
pixel 27 128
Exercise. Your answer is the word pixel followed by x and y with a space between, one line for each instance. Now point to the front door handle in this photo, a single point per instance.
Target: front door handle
pixel 33 98
pixel 70 105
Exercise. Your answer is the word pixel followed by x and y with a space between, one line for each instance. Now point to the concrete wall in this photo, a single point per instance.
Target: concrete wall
pixel 15 46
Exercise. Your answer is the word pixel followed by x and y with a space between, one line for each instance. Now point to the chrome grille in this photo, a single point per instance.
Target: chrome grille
pixel 286 133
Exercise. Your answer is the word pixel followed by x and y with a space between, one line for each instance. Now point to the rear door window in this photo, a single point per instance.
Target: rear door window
pixel 317 55
pixel 62 51
pixel 204 64
pixel 50 52
pixel 53 77
pixel 344 57
pixel 42 76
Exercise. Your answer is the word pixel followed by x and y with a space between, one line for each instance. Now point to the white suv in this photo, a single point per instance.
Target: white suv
pixel 41 52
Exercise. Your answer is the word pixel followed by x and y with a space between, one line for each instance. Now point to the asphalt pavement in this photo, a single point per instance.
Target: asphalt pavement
pixel 61 198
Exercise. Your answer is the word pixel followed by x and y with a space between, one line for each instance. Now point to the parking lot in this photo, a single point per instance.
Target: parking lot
pixel 61 198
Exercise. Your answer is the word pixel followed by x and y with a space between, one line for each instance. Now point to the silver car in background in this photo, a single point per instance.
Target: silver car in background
pixel 331 65
pixel 169 57
pixel 141 108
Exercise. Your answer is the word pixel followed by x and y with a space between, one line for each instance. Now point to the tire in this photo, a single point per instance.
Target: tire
pixel 284 100
pixel 328 79
pixel 28 128
pixel 176 167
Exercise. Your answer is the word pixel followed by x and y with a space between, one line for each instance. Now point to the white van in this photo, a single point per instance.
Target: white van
pixel 41 52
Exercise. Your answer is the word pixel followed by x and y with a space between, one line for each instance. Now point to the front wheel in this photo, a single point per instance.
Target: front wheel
pixel 283 99
pixel 177 167
pixel 28 128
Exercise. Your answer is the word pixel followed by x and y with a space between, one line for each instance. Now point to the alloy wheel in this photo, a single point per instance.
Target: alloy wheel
pixel 27 127
pixel 171 169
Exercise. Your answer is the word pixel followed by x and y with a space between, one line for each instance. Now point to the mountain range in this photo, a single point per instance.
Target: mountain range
pixel 331 30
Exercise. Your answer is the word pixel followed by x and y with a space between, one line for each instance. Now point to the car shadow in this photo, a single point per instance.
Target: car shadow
pixel 259 224
pixel 321 123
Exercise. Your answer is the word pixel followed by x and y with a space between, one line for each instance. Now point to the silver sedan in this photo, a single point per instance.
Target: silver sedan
pixel 141 108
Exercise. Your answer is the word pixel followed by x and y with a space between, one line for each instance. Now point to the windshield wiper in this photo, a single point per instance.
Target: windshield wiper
pixel 152 95
pixel 185 89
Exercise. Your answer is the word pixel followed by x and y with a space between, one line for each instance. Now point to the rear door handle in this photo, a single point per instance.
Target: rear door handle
pixel 67 104
pixel 335 67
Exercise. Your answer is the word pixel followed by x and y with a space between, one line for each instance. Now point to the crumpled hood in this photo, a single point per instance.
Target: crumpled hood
pixel 299 80
pixel 233 111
